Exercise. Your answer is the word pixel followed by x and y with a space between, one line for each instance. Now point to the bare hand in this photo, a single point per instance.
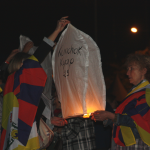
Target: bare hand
pixel 57 121
pixel 27 47
pixel 60 26
pixel 62 23
pixel 12 54
pixel 103 115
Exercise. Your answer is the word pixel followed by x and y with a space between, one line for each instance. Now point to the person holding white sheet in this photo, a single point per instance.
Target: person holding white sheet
pixel 131 130
pixel 26 67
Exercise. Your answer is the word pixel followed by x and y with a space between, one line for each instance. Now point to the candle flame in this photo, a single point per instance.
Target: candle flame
pixel 87 115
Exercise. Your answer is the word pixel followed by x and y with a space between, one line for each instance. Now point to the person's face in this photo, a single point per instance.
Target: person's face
pixel 20 65
pixel 135 74
pixel 57 103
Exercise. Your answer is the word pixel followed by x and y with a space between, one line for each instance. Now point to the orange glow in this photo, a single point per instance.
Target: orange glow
pixel 133 29
pixel 86 115
pixel 92 105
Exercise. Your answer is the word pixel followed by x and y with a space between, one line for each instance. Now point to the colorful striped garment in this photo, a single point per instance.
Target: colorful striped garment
pixel 22 94
pixel 137 106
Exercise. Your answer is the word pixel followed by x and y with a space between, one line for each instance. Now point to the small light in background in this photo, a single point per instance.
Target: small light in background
pixel 133 29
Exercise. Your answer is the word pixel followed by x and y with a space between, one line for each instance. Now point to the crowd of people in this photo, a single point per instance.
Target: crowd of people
pixel 22 80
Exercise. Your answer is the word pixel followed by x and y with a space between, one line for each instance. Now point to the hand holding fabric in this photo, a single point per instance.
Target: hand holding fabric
pixel 62 23
pixel 27 47
pixel 60 26
pixel 102 115
pixel 57 121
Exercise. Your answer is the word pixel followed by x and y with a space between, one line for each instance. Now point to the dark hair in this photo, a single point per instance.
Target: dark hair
pixel 16 62
pixel 143 61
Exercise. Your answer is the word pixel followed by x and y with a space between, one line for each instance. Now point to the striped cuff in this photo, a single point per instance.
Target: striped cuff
pixel 48 41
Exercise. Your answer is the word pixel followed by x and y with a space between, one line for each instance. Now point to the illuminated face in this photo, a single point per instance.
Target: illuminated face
pixel 135 74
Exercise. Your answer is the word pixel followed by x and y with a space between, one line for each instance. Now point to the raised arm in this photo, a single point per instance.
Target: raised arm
pixel 48 43
pixel 60 26
pixel 4 65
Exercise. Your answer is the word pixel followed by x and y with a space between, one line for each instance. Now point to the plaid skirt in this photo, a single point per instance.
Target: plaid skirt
pixel 140 145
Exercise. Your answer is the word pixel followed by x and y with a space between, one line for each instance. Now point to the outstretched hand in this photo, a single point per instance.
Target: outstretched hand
pixel 62 23
pixel 102 115
pixel 57 121
pixel 60 26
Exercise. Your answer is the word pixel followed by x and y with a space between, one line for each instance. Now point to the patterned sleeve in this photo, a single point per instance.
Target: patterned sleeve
pixel 124 120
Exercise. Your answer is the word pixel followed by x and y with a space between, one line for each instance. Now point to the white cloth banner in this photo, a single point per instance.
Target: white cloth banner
pixel 78 73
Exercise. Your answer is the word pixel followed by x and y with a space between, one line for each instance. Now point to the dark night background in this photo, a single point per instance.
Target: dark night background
pixel 108 22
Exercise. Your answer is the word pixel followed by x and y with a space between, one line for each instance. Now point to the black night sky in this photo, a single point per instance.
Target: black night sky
pixel 108 22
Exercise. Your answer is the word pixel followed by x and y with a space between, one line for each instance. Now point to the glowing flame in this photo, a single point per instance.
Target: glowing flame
pixel 134 30
pixel 86 115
